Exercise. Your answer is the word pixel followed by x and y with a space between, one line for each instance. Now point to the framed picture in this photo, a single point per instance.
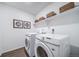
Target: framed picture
pixel 17 23
pixel 26 24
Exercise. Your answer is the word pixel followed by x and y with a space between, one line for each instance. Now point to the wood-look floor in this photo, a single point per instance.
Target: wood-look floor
pixel 21 52
pixel 16 53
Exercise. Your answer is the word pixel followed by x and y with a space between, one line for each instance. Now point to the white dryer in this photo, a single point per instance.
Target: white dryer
pixel 52 46
pixel 29 44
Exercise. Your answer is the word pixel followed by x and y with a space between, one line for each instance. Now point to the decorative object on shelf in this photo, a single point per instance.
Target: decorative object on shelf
pixel 26 25
pixel 36 21
pixel 17 23
pixel 67 7
pixel 40 19
pixel 51 14
pixel 21 24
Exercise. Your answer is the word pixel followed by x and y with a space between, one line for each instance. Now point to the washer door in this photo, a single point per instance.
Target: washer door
pixel 41 50
pixel 27 43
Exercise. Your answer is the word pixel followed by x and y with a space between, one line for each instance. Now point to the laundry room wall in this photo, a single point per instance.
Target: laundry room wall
pixel 12 38
pixel 64 23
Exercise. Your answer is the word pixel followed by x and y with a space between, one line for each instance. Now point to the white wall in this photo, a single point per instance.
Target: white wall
pixel 64 23
pixel 12 38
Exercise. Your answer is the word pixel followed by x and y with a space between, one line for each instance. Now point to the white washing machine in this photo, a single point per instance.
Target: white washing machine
pixel 52 46
pixel 29 44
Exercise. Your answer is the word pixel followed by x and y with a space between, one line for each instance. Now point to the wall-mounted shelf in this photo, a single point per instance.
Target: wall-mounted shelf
pixel 68 17
pixel 40 19
pixel 67 12
pixel 51 14
pixel 61 16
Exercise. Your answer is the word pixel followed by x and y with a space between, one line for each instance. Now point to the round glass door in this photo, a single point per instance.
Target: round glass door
pixel 42 50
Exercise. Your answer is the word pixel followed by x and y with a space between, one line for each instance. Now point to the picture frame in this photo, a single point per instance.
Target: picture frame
pixel 21 24
pixel 17 23
pixel 26 24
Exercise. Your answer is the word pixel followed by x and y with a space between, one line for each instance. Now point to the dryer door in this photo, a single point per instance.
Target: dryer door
pixel 41 50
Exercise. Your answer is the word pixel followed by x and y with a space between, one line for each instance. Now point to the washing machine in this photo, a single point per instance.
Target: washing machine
pixel 52 46
pixel 29 44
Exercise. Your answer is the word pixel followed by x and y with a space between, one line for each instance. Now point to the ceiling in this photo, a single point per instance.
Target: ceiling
pixel 31 7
